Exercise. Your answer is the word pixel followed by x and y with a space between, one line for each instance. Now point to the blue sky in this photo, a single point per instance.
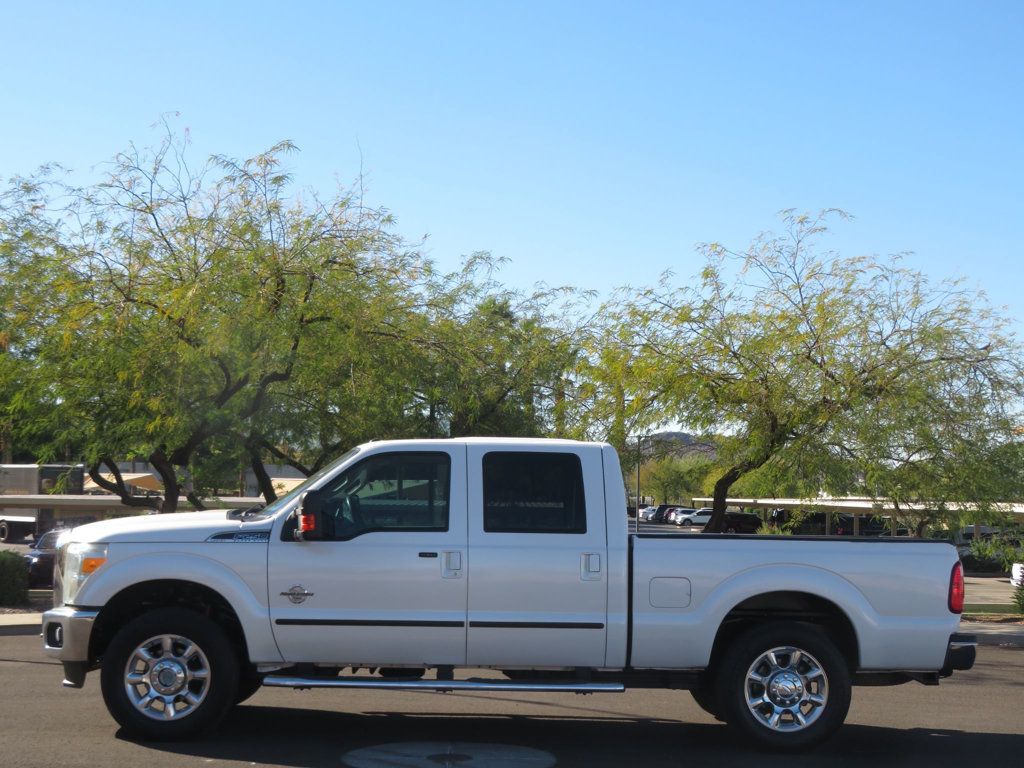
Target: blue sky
pixel 590 143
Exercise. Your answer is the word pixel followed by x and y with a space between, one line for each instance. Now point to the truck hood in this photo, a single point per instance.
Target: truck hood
pixel 166 528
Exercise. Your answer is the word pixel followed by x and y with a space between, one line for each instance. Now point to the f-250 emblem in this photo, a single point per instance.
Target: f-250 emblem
pixel 297 594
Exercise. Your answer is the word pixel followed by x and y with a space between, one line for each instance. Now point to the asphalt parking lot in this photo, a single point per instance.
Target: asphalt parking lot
pixel 972 716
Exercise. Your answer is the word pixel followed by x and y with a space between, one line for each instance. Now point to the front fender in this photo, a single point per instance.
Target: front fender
pixel 244 589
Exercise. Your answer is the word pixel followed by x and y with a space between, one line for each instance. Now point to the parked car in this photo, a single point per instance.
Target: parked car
pixel 741 522
pixel 657 514
pixel 697 518
pixel 681 513
pixel 813 524
pixel 40 560
pixel 672 514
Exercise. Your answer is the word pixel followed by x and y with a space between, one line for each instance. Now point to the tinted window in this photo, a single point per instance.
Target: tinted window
pixel 388 492
pixel 48 540
pixel 533 493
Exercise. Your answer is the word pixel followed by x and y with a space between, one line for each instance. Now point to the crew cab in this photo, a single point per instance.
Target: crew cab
pixel 406 563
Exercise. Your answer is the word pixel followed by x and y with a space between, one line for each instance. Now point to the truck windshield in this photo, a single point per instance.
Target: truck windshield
pixel 283 501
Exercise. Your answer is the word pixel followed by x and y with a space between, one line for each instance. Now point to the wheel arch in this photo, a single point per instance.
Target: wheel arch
pixel 142 597
pixel 192 577
pixel 789 605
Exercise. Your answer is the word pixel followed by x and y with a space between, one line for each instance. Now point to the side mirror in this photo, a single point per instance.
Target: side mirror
pixel 309 517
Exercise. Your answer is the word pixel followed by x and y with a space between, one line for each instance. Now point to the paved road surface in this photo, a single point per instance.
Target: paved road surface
pixel 975 716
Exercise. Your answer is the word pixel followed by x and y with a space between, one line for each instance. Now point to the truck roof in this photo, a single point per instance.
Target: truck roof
pixel 516 441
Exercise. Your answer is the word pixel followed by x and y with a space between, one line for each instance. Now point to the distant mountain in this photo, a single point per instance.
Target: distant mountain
pixel 675 444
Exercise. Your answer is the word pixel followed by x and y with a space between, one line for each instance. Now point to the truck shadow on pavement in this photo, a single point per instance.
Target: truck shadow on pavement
pixel 294 737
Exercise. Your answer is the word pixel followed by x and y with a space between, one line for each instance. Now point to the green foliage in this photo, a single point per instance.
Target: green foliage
pixel 768 529
pixel 207 318
pixel 848 375
pixel 993 555
pixel 615 390
pixel 671 479
pixel 13 579
pixel 1018 599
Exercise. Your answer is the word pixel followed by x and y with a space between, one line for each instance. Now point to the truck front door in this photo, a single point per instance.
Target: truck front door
pixel 387 584
pixel 538 589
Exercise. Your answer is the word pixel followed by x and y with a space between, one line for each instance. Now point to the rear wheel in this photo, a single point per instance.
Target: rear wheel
pixel 169 674
pixel 784 685
pixel 5 532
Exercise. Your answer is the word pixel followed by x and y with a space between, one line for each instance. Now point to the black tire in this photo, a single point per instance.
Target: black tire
pixel 215 654
pixel 705 697
pixel 5 532
pixel 833 685
pixel 249 681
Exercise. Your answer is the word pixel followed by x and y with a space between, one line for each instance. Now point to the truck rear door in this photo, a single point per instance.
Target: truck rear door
pixel 538 591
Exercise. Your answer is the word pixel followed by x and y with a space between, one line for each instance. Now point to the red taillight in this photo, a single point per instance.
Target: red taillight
pixel 307 523
pixel 956 588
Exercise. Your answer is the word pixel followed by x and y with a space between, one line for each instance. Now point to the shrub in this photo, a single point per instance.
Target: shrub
pixel 995 555
pixel 13 579
pixel 768 529
pixel 1018 598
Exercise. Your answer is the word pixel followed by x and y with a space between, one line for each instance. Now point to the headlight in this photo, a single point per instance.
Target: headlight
pixel 80 560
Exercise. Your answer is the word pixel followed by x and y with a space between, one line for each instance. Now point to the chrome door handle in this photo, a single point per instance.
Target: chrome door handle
pixel 451 565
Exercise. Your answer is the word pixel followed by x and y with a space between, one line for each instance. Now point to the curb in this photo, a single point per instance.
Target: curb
pixel 21 630
pixel 20 624
pixel 995 634
pixel 1002 641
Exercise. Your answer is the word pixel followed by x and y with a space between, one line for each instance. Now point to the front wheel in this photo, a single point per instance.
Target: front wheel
pixel 169 674
pixel 249 681
pixel 705 697
pixel 784 685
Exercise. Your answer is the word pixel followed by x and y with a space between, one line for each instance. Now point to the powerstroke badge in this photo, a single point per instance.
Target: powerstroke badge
pixel 297 594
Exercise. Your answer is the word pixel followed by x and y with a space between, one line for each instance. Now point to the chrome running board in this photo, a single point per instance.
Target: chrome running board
pixel 285 681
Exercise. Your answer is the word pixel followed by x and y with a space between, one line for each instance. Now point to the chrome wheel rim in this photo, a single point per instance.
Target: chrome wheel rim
pixel 786 689
pixel 167 677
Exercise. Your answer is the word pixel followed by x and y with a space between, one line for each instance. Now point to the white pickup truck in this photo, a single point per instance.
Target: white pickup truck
pixel 406 562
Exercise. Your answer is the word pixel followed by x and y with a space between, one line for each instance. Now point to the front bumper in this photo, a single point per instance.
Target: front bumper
pixel 66 633
pixel 960 653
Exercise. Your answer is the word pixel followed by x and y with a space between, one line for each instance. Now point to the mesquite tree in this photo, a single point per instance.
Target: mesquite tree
pixel 851 373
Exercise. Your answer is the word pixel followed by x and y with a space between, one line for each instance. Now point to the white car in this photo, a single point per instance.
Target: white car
pixel 1017 574
pixel 698 519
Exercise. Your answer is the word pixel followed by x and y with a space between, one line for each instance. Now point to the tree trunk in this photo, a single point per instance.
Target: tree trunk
pixel 262 478
pixel 189 490
pixel 172 491
pixel 559 410
pixel 617 433
pixel 717 522
pixel 119 487
pixel 7 452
